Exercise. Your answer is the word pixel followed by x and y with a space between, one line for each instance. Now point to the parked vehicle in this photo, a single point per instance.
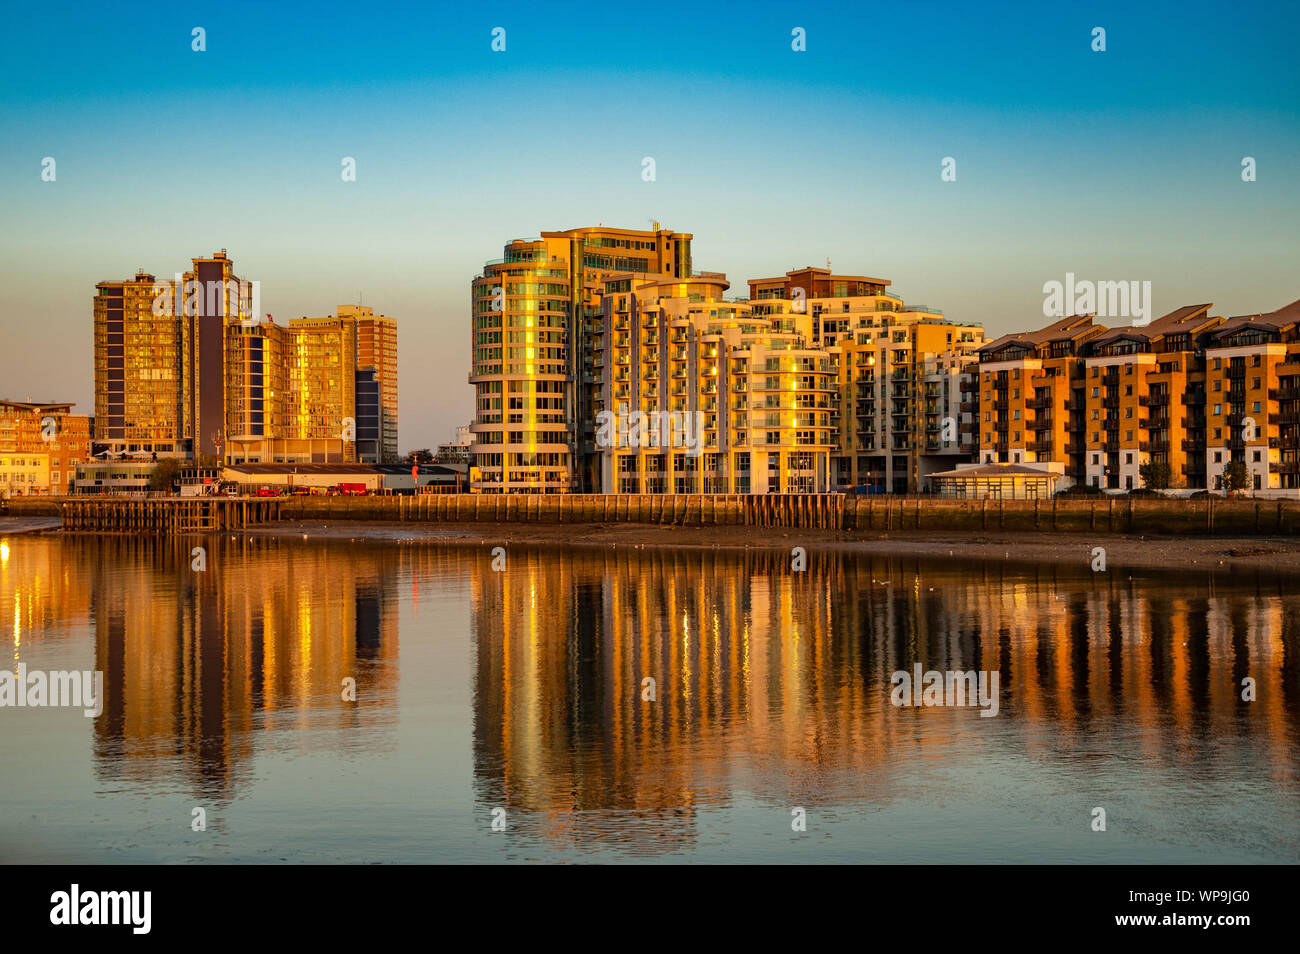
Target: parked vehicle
pixel 351 490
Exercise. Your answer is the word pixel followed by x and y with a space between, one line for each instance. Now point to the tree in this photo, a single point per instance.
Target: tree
pixel 1155 474
pixel 1236 476
pixel 164 474
pixel 421 456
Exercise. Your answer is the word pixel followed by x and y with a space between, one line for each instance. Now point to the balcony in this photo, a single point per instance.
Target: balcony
pixel 1154 447
pixel 1154 400
pixel 1041 424
pixel 1110 401
pixel 1288 393
pixel 1039 403
pixel 1236 371
pixel 1039 447
pixel 1193 399
pixel 1285 467
pixel 966 407
pixel 1195 447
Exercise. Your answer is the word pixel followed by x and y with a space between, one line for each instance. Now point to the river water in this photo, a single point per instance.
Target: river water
pixel 336 700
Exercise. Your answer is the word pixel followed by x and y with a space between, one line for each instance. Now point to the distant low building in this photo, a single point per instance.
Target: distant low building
pixel 45 430
pixel 375 478
pixel 998 481
pixel 113 476
pixel 457 451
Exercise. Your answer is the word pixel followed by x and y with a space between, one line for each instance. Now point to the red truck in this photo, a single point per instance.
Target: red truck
pixel 351 490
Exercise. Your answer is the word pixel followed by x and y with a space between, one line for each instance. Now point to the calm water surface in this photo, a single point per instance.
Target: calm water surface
pixel 522 690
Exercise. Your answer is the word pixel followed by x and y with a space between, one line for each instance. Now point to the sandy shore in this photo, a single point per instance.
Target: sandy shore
pixel 1278 554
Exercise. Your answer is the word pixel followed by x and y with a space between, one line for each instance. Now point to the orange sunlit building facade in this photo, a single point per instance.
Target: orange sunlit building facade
pixel 1190 391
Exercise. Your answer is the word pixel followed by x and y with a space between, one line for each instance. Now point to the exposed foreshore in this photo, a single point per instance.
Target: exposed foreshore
pixel 1135 531
pixel 1276 554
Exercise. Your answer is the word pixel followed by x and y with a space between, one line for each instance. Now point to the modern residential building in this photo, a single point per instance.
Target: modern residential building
pixel 698 395
pixel 582 328
pixel 536 319
pixel 185 368
pixel 1188 390
pixel 377 362
pixel 898 415
pixel 40 445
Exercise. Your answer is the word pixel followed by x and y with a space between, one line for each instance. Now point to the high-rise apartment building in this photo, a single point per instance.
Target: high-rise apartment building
pixel 377 361
pixel 898 417
pixel 582 328
pixel 535 324
pixel 183 367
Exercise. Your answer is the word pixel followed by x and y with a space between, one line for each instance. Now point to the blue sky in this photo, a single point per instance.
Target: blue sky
pixel 1117 165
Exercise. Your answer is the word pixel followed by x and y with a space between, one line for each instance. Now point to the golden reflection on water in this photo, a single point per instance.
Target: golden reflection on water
pixel 765 682
pixel 777 683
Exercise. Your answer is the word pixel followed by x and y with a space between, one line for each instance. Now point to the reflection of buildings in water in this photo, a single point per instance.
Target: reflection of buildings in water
pixel 777 683
pixel 194 662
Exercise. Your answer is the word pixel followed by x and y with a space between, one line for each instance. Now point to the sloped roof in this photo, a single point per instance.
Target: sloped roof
pixel 1071 328
pixel 1186 318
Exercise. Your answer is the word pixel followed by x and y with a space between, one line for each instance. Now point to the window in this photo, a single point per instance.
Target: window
pixel 1218 385
pixel 1095 458
pixel 1218 408
pixel 1255 360
pixel 1128 412
pixel 1256 407
pixel 1218 457
pixel 1255 383
pixel 1128 390
pixel 1015 415
pixel 1128 458
pixel 1257 457
pixel 1096 392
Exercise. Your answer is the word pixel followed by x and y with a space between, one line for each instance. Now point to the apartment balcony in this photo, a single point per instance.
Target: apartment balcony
pixel 1075 427
pixel 1285 467
pixel 1154 400
pixel 1236 371
pixel 1039 403
pixel 966 407
pixel 1076 405
pixel 1154 447
pixel 1075 449
pixel 1289 393
pixel 1000 405
pixel 1110 447
pixel 1194 446
pixel 1193 399
pixel 1285 418
pixel 1040 447
pixel 1192 470
pixel 1110 401
pixel 1041 424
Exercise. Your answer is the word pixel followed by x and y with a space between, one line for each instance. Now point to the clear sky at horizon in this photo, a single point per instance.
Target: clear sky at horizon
pixel 1114 166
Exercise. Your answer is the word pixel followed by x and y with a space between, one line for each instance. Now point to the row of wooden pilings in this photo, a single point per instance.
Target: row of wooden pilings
pixel 1208 516
pixel 822 511
pixel 1184 517
pixel 166 515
